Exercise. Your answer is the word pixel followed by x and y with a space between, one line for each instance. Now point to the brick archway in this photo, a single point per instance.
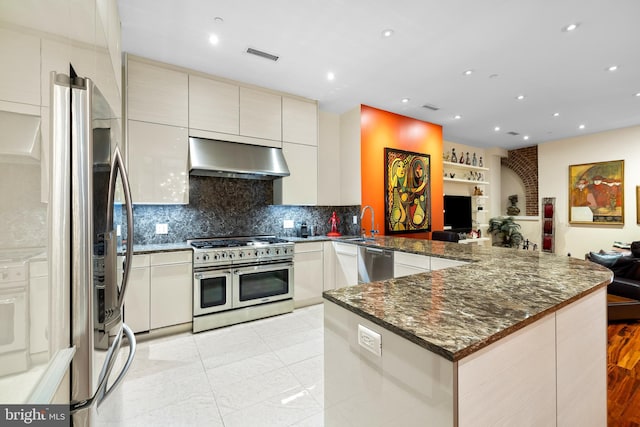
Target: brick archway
pixel 524 162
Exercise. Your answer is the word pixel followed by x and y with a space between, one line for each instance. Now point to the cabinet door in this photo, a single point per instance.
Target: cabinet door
pixel 136 300
pixel 346 264
pixel 171 295
pixel 158 163
pixel 20 76
pixel 301 187
pixel 214 105
pixel 260 114
pixel 299 121
pixel 329 269
pixel 156 94
pixel 308 273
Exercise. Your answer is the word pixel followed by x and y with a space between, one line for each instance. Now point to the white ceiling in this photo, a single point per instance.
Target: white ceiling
pixel 514 47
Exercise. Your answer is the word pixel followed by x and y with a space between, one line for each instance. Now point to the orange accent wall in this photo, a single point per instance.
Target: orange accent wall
pixel 380 129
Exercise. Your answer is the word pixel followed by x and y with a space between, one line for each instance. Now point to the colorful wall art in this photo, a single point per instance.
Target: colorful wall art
pixel 407 191
pixel 597 193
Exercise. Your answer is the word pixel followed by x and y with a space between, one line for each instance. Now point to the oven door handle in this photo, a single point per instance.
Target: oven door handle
pixel 263 267
pixel 211 274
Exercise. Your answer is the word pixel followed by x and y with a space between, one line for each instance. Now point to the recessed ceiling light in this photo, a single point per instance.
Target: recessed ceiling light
pixel 387 33
pixel 612 68
pixel 468 72
pixel 520 97
pixel 405 100
pixel 636 94
pixel 570 27
pixel 457 117
pixel 526 137
pixel 331 76
pixel 556 114
pixel 581 127
pixel 497 128
pixel 213 39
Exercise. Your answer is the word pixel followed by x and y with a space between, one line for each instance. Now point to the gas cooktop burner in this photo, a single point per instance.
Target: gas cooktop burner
pixel 240 250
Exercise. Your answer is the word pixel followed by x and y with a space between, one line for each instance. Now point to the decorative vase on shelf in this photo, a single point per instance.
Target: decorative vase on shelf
pixel 480 162
pixel 474 161
pixel 462 158
pixel 468 162
pixel 454 158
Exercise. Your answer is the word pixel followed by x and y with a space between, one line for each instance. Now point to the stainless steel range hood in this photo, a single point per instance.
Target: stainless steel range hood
pixel 213 157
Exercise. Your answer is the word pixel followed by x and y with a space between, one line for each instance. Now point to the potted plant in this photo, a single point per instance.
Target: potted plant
pixel 506 231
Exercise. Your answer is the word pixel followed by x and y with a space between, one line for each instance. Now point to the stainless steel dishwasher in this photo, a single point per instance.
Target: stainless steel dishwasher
pixel 374 264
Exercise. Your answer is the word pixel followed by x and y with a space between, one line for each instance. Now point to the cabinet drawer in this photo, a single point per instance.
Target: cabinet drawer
pixel 170 257
pixel 137 262
pixel 308 247
pixel 345 248
pixel 412 260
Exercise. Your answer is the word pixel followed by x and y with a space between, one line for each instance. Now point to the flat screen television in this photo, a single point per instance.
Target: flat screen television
pixel 457 213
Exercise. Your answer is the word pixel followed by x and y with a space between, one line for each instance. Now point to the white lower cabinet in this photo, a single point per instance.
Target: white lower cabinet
pixel 171 289
pixel 159 292
pixel 136 298
pixel 406 264
pixel 346 264
pixel 308 261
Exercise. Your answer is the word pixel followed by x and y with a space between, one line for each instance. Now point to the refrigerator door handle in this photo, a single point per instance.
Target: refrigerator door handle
pixel 132 351
pixel 101 391
pixel 117 165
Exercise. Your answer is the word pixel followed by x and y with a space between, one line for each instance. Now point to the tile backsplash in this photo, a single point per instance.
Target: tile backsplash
pixel 233 207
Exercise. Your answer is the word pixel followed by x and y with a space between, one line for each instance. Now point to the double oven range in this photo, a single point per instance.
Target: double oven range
pixel 238 279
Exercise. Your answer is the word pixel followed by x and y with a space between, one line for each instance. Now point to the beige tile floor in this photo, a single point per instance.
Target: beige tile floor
pixel 263 373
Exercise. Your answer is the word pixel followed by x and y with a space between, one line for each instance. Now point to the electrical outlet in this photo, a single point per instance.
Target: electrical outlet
pixel 370 340
pixel 162 228
pixel 355 219
pixel 288 223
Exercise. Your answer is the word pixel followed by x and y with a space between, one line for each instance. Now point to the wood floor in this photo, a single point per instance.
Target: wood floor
pixel 623 371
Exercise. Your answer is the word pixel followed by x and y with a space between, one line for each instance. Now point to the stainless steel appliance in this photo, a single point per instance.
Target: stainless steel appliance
pixel 374 264
pixel 240 279
pixel 82 240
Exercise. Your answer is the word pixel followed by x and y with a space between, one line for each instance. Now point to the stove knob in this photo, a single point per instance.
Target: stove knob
pixel 256 253
pixel 277 251
pixel 231 255
pixel 205 257
pixel 241 254
pixel 267 251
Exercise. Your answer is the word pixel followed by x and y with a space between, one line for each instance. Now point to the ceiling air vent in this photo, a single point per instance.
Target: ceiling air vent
pixel 430 107
pixel 513 133
pixel 262 54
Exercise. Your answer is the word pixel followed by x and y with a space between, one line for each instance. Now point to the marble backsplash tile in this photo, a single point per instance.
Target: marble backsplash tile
pixel 233 207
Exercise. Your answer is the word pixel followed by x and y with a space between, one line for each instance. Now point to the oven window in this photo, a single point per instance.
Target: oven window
pixel 7 319
pixel 264 284
pixel 213 291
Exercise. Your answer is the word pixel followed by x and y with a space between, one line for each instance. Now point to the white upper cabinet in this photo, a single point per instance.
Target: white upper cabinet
pixel 299 121
pixel 260 114
pixel 214 105
pixel 301 187
pixel 158 166
pixel 20 72
pixel 157 94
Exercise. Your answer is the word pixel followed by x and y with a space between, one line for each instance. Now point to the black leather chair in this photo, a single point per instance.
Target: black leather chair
pixel 445 236
pixel 626 283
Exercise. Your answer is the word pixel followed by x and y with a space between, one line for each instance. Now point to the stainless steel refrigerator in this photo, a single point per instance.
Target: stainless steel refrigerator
pixel 90 202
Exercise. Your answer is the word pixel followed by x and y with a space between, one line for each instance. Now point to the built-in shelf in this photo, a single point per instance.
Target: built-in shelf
pixel 467 181
pixel 480 197
pixel 464 166
pixel 476 240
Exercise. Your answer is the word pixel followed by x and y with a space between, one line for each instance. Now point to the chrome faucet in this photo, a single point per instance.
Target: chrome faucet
pixel 373 228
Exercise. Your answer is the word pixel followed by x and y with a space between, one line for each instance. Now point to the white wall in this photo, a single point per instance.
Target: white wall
pixel 510 184
pixel 554 159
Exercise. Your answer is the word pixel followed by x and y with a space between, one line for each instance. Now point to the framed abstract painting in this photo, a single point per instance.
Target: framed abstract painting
pixel 407 186
pixel 596 193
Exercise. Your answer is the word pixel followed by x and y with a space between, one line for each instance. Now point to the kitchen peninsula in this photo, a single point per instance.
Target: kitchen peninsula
pixel 511 338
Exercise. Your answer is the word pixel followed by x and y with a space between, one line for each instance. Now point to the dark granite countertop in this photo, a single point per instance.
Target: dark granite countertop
pixel 456 311
pixel 157 247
